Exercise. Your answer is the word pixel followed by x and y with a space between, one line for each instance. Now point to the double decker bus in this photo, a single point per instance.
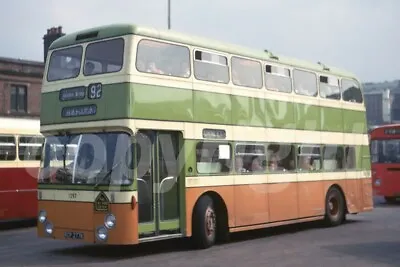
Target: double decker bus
pixel 166 135
pixel 385 159
pixel 20 153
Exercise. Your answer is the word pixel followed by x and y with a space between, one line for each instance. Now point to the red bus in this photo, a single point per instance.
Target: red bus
pixel 20 153
pixel 385 160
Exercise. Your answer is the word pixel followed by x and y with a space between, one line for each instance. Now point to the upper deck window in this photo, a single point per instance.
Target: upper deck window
pixel 351 91
pixel 211 67
pixel 305 83
pixel 329 87
pixel 163 58
pixel 246 72
pixel 104 57
pixel 278 79
pixel 65 64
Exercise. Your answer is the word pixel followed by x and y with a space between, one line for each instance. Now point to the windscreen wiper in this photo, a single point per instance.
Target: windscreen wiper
pixel 108 173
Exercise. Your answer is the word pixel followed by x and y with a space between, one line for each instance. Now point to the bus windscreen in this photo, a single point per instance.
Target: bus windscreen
pixel 385 151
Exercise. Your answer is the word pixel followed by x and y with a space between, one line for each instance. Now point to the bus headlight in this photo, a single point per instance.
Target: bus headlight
pixel 378 182
pixel 109 221
pixel 101 233
pixel 42 216
pixel 48 228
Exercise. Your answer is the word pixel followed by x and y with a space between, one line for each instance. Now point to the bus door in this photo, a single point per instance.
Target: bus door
pixel 158 182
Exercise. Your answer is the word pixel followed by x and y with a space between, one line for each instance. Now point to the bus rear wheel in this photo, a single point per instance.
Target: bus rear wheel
pixel 335 211
pixel 204 223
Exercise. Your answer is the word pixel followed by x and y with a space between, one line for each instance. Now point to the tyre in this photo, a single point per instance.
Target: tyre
pixel 335 212
pixel 204 223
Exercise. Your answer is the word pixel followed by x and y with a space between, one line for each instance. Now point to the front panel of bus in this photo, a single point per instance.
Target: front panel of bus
pixel 385 153
pixel 86 186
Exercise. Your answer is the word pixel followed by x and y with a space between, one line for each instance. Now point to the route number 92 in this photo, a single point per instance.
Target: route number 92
pixel 95 90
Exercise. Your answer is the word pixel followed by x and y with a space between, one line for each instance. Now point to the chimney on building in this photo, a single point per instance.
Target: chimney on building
pixel 52 34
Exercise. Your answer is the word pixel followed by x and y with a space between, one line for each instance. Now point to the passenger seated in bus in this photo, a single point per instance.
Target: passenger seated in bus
pixel 89 68
pixel 153 68
pixel 256 165
pixel 239 165
pixel 185 70
pixel 305 163
pixel 140 65
pixel 235 78
pixel 273 163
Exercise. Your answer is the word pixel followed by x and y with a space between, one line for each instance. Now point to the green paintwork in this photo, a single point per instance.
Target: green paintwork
pixel 128 100
pixel 114 30
pixel 115 103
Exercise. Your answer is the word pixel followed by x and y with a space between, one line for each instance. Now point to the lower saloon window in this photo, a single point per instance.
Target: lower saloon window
pixel 332 158
pixel 7 148
pixel 350 157
pixel 30 148
pixel 213 157
pixel 280 157
pixel 309 158
pixel 250 158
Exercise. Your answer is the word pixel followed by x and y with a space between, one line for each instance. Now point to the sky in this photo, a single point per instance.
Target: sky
pixel 360 36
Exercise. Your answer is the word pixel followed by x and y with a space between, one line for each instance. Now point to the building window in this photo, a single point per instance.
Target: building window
pixel 18 98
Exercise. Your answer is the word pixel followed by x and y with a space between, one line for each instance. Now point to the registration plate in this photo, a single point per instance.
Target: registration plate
pixel 73 235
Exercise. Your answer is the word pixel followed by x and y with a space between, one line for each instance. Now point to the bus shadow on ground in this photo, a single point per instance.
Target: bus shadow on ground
pixel 116 252
pixel 380 252
pixel 15 225
pixel 283 230
pixel 381 203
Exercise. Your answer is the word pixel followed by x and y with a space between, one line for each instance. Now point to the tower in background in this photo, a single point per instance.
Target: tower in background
pixel 52 35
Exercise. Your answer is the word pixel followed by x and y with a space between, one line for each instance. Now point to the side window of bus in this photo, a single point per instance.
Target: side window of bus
pixel 278 79
pixel 305 83
pixel 213 158
pixel 350 157
pixel 329 87
pixel 246 72
pixel 104 57
pixel 250 158
pixel 332 158
pixel 30 147
pixel 7 148
pixel 163 58
pixel 281 157
pixel 351 91
pixel 309 158
pixel 211 67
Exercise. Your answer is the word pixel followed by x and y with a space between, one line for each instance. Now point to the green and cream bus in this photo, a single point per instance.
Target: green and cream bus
pixel 153 134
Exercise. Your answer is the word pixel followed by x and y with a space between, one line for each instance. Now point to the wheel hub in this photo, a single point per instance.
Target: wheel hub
pixel 333 206
pixel 210 222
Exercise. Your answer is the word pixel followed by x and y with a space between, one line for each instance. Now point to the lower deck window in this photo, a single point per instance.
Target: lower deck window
pixel 7 148
pixel 213 157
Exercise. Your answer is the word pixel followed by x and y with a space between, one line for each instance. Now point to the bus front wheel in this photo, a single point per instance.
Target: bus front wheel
pixel 204 223
pixel 334 207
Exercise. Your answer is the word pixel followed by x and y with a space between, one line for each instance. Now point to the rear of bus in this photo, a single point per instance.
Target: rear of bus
pixel 86 190
pixel 385 159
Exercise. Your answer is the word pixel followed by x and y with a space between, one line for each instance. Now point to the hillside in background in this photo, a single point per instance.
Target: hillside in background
pixel 370 87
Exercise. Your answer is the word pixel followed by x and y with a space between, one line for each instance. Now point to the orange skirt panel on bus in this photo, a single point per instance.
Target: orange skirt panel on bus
pixel 81 217
pixel 267 203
